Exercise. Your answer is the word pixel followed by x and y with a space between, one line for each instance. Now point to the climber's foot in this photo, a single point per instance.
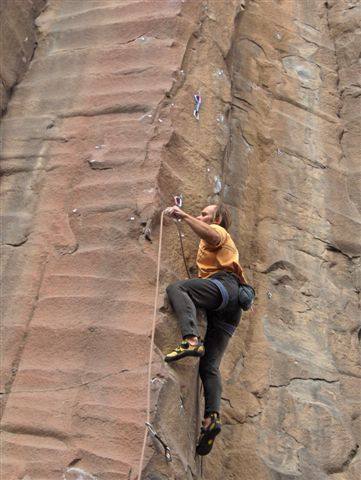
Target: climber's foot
pixel 185 349
pixel 208 434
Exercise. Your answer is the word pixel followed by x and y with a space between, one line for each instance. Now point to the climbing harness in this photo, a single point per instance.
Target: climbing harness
pixel 167 453
pixel 224 293
pixel 246 295
pixel 197 105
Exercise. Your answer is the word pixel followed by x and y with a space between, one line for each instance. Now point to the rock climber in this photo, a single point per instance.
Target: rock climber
pixel 216 290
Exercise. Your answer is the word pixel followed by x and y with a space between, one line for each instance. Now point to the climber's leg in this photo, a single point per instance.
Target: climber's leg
pixel 215 344
pixel 185 296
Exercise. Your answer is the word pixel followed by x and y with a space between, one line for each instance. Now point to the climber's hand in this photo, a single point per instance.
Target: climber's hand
pixel 175 212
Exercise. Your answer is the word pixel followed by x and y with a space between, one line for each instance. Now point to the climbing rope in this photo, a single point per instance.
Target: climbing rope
pixel 182 248
pixel 178 200
pixel 198 459
pixel 152 347
pixel 198 384
pixel 149 427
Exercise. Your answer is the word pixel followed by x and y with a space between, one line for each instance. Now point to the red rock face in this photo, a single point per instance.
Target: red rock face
pixel 98 137
pixel 82 143
pixel 18 42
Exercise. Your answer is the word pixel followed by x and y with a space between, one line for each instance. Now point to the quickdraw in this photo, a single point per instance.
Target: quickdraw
pixel 167 453
pixel 178 200
pixel 197 105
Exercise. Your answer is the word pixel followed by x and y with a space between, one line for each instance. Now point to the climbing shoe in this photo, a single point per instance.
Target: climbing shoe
pixel 208 434
pixel 185 349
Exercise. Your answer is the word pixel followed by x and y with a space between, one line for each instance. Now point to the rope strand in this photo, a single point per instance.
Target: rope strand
pixel 152 346
pixel 182 248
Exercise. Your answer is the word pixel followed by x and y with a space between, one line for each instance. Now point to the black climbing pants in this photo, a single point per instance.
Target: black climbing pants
pixel 187 295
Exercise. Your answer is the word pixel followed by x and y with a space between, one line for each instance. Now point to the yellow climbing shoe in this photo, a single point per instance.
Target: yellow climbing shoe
pixel 208 435
pixel 185 349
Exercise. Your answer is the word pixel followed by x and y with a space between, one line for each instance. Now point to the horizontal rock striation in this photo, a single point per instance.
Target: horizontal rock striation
pixel 82 139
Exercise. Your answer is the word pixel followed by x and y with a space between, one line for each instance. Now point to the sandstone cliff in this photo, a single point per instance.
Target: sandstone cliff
pixel 18 42
pixel 97 138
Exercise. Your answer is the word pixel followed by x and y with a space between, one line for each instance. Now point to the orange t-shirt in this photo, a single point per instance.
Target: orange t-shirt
pixel 221 257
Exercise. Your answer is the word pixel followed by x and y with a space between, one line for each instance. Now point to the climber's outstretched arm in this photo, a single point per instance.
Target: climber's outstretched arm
pixel 202 229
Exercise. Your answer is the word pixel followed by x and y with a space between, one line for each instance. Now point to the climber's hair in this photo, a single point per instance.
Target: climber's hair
pixel 222 216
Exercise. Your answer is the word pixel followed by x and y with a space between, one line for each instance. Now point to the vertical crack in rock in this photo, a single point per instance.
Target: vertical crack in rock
pixel 285 79
pixel 192 152
pixel 19 41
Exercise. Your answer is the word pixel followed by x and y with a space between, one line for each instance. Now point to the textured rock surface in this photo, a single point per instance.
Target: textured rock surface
pixel 299 231
pixel 18 41
pixel 98 137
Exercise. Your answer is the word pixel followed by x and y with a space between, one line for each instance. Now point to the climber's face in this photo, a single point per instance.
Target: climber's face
pixel 207 214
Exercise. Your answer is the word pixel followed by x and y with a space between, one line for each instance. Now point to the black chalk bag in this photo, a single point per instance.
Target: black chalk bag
pixel 246 296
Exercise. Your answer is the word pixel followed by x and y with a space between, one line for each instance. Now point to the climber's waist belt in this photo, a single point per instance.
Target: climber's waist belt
pixel 246 295
pixel 224 293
